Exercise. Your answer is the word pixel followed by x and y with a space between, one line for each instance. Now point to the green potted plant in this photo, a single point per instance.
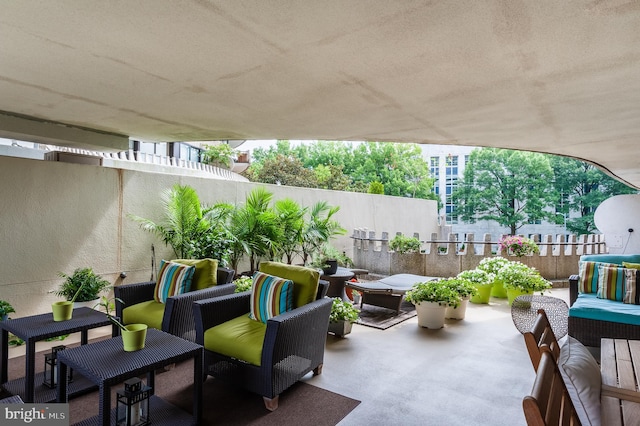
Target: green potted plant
pixel 133 335
pixel 518 246
pixel 482 281
pixel 343 315
pixel 521 279
pixel 492 265
pixel 5 310
pixel 431 299
pixel 465 290
pixel 84 284
pixel 402 244
pixel 243 283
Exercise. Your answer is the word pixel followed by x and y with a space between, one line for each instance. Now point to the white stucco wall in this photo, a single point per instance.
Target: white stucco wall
pixel 60 216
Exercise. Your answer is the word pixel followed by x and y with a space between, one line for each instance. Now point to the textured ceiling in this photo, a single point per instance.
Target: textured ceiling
pixel 543 75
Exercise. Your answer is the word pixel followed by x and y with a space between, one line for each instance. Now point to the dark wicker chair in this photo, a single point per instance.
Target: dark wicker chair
pixel 178 316
pixel 293 344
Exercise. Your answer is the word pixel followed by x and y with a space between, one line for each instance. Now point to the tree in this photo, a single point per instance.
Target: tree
pixel 283 170
pixel 512 188
pixel 291 221
pixel 581 188
pixel 319 229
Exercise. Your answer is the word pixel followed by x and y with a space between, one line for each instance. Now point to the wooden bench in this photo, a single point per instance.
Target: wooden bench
pixel 620 369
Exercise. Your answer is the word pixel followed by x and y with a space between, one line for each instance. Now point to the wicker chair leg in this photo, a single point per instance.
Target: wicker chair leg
pixel 318 370
pixel 271 403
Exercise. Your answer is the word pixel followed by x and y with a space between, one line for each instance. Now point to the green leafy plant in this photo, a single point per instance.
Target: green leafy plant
pixel 328 252
pixel 492 265
pixel 5 309
pixel 343 311
pixel 519 276
pixel 82 286
pixel 243 283
pixel 518 246
pixel 477 277
pixel 433 291
pixel 463 287
pixel 109 305
pixel 376 188
pixel 402 244
pixel 218 155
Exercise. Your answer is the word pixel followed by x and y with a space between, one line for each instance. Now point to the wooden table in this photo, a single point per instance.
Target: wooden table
pixel 620 368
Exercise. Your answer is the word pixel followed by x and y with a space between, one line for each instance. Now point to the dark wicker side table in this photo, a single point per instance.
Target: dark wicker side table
pixel 524 310
pixel 106 364
pixel 337 282
pixel 34 329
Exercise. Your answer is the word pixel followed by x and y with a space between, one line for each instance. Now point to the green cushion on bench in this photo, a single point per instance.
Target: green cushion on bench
pixel 149 312
pixel 591 307
pixel 239 338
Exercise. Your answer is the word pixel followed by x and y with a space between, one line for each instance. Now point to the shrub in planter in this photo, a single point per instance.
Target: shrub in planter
pixel 492 265
pixel 432 299
pixel 92 285
pixel 5 309
pixel 343 315
pixel 465 290
pixel 402 244
pixel 518 246
pixel 519 279
pixel 481 280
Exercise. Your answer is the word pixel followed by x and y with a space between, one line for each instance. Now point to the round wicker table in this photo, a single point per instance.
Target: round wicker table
pixel 524 310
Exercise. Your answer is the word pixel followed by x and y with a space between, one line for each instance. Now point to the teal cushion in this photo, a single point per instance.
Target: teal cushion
pixel 149 312
pixel 305 280
pixel 611 258
pixel 590 307
pixel 173 279
pixel 270 296
pixel 239 338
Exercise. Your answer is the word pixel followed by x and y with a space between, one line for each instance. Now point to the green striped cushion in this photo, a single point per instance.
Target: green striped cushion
pixel 588 272
pixel 631 291
pixel 612 282
pixel 270 296
pixel 173 279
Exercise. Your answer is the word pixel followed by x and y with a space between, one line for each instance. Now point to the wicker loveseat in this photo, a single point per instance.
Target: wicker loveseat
pixel 592 318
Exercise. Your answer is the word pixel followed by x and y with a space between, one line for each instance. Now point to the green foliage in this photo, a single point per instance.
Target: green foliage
pixel 5 309
pixel 433 291
pixel 283 170
pixel 328 252
pixel 218 155
pixel 477 277
pixel 464 287
pixel 343 311
pixel 492 265
pixel 333 178
pixel 518 245
pixel 290 217
pixel 243 283
pixel 108 305
pixel 403 244
pixel 83 284
pixel 519 276
pixel 376 187
pixel 319 228
pixel 512 188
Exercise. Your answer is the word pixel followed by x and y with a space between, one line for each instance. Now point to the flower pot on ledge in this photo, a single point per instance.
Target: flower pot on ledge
pixel 340 328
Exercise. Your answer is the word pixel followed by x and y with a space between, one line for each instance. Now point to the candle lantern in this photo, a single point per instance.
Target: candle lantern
pixel 50 369
pixel 132 408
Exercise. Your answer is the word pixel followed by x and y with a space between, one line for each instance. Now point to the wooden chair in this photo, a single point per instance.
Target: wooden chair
pixel 549 402
pixel 541 335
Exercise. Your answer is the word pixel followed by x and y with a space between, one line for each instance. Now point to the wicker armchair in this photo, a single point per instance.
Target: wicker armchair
pixel 293 343
pixel 178 316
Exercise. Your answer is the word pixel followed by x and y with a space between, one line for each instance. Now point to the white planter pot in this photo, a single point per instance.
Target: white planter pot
pixel 431 314
pixel 459 312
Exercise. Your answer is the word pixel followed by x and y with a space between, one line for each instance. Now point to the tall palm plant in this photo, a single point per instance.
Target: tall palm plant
pixel 291 221
pixel 319 229
pixel 183 220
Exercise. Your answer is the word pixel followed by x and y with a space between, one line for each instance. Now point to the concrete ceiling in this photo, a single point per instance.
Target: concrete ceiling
pixel 543 75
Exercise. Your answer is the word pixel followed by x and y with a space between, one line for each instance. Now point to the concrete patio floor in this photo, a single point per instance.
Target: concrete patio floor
pixel 471 372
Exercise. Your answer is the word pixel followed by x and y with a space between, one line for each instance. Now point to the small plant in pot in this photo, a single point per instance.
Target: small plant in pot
pixel 492 265
pixel 465 290
pixel 84 284
pixel 343 315
pixel 5 310
pixel 431 299
pixel 520 279
pixel 402 244
pixel 133 335
pixel 482 281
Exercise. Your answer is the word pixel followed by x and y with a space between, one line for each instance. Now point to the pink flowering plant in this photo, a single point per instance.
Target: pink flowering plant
pixel 518 245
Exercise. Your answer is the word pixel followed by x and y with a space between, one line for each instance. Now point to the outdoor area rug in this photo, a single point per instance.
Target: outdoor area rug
pixel 383 318
pixel 222 404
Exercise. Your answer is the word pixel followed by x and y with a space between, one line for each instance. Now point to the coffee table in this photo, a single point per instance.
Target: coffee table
pixel 33 329
pixel 524 310
pixel 106 364
pixel 337 282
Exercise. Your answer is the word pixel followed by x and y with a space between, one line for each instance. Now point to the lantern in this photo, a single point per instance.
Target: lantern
pixel 132 408
pixel 50 370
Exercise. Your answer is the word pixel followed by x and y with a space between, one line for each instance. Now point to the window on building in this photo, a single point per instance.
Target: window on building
pixel 189 153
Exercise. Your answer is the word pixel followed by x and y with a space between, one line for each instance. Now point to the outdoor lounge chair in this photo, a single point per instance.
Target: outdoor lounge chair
pixel 176 315
pixel 266 358
pixel 387 292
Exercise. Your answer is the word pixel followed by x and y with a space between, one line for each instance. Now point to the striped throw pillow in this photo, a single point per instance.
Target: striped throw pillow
pixel 612 282
pixel 588 272
pixel 173 279
pixel 631 295
pixel 270 296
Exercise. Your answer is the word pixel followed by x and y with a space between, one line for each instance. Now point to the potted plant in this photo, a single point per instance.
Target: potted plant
pixel 402 244
pixel 84 284
pixel 431 299
pixel 343 315
pixel 521 279
pixel 518 246
pixel 5 310
pixel 465 290
pixel 482 281
pixel 492 265
pixel 243 283
pixel 133 335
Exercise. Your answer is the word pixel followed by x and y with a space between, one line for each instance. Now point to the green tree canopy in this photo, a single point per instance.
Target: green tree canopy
pixel 512 188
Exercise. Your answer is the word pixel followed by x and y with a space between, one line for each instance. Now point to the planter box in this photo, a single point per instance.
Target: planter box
pixel 340 328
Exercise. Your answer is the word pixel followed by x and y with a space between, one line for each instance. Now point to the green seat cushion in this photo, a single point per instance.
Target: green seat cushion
pixel 305 280
pixel 149 312
pixel 240 338
pixel 205 275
